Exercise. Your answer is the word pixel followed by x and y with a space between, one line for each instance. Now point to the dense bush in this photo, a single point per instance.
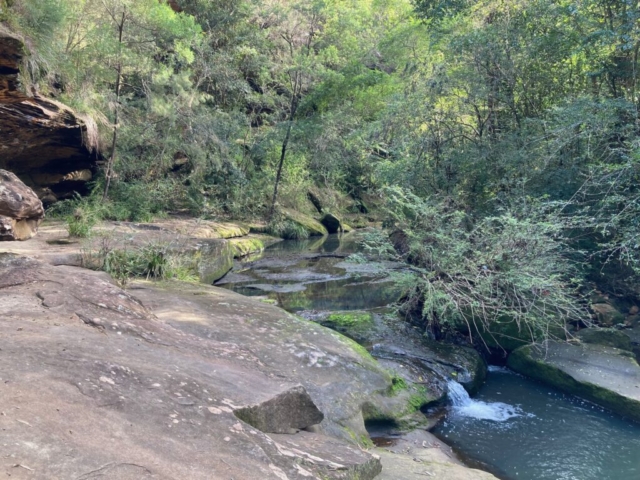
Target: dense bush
pixel 470 274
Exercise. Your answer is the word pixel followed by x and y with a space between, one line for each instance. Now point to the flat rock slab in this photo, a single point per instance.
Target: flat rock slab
pixel 604 375
pixel 97 382
pixel 419 455
pixel 313 450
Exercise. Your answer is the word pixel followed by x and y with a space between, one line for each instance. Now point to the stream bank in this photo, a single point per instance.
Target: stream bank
pixel 175 380
pixel 319 284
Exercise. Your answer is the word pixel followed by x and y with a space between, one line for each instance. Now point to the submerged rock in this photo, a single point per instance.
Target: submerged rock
pixel 20 209
pixel 604 375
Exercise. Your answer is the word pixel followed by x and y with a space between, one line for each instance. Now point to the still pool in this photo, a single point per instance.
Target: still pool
pixel 521 430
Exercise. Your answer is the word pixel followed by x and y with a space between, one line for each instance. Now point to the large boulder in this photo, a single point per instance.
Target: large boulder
pixel 310 224
pixel 604 375
pixel 608 337
pixel 46 144
pixel 606 314
pixel 21 210
pixel 332 223
pixel 178 381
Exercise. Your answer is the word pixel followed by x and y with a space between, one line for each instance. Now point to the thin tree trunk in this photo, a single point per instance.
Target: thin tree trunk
pixel 283 154
pixel 114 141
pixel 297 87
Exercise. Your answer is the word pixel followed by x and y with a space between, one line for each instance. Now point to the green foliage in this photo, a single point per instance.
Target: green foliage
pixel 155 261
pixel 148 262
pixel 475 274
pixel 513 123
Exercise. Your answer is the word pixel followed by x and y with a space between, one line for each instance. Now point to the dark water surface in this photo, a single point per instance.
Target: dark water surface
pixel 550 436
pixel 315 275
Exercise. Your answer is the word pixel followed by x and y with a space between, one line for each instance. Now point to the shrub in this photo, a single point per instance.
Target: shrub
pixel 473 275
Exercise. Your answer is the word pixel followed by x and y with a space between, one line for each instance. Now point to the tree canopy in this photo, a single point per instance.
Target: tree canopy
pixel 511 114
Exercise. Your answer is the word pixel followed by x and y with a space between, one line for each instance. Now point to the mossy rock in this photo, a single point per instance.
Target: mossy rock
pixel 259 227
pixel 203 229
pixel 214 259
pixel 310 224
pixel 607 315
pixel 231 230
pixel 607 376
pixel 401 407
pixel 505 333
pixel 355 325
pixel 251 244
pixel 609 337
pixel 467 366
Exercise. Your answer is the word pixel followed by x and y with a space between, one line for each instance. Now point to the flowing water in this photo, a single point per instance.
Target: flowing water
pixel 515 428
pixel 520 429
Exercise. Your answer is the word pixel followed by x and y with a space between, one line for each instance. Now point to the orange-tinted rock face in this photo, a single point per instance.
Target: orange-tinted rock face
pixel 41 140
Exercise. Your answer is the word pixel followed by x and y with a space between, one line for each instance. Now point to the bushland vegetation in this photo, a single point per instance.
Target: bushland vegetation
pixel 498 138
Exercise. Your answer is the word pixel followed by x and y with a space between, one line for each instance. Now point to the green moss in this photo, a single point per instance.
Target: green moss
pixel 363 440
pixel 231 230
pixel 359 349
pixel 311 225
pixel 350 318
pixel 418 398
pixel 246 246
pixel 417 401
pixel 358 326
pixel 398 384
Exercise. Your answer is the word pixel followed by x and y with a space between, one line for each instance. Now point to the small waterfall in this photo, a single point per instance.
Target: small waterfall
pixel 465 406
pixel 457 394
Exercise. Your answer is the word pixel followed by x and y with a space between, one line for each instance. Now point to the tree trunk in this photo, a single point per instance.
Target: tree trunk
pixel 114 140
pixel 297 87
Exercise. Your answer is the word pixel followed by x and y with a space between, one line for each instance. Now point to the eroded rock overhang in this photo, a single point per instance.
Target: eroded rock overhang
pixel 42 141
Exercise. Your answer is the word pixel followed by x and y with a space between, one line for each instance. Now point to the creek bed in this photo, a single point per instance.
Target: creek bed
pixel 515 428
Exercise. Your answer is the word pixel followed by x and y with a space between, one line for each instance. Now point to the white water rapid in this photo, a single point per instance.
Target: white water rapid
pixel 465 406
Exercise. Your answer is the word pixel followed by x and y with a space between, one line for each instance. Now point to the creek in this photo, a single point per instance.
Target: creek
pixel 520 429
pixel 514 427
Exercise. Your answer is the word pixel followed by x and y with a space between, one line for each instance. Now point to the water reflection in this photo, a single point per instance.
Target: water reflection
pixel 315 274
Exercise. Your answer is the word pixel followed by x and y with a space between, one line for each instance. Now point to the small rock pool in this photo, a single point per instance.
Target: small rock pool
pixel 521 430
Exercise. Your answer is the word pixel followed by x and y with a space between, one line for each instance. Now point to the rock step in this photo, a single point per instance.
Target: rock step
pixel 607 376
